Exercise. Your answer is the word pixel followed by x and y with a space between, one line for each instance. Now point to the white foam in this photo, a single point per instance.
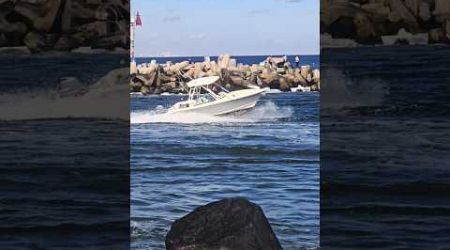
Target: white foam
pixel 266 112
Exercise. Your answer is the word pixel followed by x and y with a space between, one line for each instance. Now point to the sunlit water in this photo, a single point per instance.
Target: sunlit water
pixel 269 155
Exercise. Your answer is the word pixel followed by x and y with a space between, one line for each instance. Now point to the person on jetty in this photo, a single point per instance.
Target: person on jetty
pixel 297 61
pixel 268 62
pixel 286 63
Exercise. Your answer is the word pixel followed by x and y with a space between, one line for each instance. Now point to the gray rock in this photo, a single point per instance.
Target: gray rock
pixel 231 224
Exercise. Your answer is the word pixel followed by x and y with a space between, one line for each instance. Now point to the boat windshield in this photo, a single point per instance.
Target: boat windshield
pixel 207 93
pixel 219 88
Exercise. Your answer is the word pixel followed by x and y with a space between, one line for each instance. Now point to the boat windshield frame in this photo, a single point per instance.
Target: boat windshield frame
pixel 195 92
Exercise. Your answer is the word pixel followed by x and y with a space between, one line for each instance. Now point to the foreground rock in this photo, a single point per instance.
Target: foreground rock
pixel 231 224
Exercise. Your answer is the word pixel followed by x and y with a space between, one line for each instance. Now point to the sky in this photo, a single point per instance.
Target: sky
pixel 236 27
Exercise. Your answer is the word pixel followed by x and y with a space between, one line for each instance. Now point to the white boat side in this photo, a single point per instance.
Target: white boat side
pixel 234 101
pixel 214 102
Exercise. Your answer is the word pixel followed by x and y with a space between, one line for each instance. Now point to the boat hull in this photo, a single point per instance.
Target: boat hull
pixel 234 102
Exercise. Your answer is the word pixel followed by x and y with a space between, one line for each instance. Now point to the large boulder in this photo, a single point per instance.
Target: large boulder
pixel 413 6
pixel 177 68
pixel 305 70
pixel 400 13
pixel 231 224
pixel 42 13
pixel 442 8
pixel 284 84
pixel 316 74
pixel 223 61
pixel 364 28
pixel 436 35
pixel 239 81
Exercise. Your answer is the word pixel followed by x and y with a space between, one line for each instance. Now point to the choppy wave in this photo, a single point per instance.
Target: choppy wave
pixel 267 112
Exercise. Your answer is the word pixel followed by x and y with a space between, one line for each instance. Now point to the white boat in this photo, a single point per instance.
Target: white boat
pixel 208 97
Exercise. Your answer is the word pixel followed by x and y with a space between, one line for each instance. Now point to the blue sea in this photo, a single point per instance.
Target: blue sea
pixel 312 60
pixel 269 155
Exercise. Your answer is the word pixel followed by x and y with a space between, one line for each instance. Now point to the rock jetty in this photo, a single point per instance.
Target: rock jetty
pixel 274 73
pixel 63 25
pixel 231 224
pixel 346 23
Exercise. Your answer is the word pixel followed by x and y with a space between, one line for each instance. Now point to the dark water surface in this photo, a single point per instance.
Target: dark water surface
pixel 64 182
pixel 270 155
pixel 61 187
pixel 24 73
pixel 385 179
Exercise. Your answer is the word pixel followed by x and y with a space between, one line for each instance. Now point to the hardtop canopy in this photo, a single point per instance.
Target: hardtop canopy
pixel 203 81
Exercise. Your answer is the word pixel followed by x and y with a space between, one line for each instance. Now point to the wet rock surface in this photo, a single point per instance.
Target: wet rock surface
pixel 232 224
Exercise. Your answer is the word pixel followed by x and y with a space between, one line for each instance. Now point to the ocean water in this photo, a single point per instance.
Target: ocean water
pixel 54 187
pixel 385 148
pixel 64 173
pixel 269 155
pixel 312 60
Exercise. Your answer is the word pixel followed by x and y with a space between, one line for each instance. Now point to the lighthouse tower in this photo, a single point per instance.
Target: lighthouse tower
pixel 134 22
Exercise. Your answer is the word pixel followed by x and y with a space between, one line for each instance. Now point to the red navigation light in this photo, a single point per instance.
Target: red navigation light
pixel 138 20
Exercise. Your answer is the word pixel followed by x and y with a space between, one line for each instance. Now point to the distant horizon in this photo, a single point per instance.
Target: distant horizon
pixel 230 55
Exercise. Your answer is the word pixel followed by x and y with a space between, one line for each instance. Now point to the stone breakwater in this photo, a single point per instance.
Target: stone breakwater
pixel 63 25
pixel 346 23
pixel 274 73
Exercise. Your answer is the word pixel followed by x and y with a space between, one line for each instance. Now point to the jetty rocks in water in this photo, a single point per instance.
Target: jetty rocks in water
pixel 230 224
pixel 347 23
pixel 64 25
pixel 275 73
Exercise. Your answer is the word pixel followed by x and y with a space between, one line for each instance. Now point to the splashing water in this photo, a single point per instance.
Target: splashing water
pixel 342 92
pixel 268 111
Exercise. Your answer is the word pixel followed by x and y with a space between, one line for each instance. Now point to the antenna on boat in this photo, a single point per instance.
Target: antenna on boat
pixel 134 22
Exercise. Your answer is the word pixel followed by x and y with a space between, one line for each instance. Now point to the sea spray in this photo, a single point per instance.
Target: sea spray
pixel 342 92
